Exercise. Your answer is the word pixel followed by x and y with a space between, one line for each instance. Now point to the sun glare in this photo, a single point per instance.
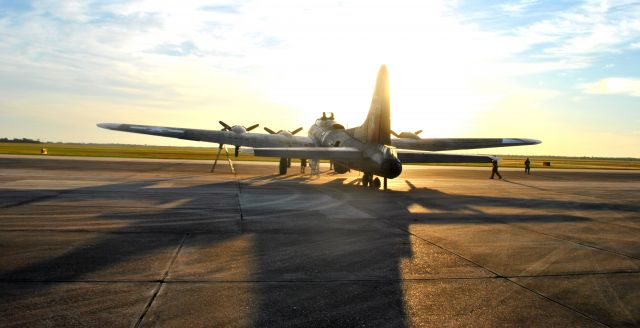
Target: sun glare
pixel 430 86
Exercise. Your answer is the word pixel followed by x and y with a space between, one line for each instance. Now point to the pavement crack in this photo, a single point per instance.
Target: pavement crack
pixel 157 289
pixel 32 200
pixel 447 250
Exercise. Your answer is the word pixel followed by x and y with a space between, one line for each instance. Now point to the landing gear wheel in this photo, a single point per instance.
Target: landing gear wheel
pixel 376 183
pixel 366 180
pixel 283 166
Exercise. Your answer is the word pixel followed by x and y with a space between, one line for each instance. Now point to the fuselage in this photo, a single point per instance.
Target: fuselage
pixel 377 159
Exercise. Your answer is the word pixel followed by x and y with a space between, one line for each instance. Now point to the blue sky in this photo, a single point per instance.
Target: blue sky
pixel 565 72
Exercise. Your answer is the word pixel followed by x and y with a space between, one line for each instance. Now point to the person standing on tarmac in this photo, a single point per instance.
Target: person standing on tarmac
pixel 527 166
pixel 494 170
pixel 303 165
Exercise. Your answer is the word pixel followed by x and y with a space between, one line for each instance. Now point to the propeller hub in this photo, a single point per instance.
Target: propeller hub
pixel 238 129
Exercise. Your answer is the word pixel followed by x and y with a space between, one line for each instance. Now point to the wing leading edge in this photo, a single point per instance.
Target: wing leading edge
pixel 436 144
pixel 224 137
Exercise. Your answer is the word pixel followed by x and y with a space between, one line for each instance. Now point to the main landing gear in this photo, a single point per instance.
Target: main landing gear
pixel 284 164
pixel 369 181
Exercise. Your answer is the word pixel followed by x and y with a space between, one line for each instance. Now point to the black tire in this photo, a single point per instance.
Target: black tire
pixel 283 166
pixel 365 180
pixel 376 183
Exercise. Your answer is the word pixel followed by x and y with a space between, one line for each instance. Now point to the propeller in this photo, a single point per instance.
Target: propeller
pixel 236 129
pixel 226 126
pixel 410 135
pixel 282 131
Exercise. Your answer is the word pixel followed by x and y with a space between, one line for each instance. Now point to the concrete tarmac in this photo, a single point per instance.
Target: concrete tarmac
pixel 166 243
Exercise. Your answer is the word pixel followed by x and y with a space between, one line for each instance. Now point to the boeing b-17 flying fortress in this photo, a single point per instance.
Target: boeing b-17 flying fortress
pixel 427 215
pixel 368 148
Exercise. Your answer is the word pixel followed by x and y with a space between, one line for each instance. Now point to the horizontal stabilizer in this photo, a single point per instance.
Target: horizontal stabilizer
pixel 329 153
pixel 412 156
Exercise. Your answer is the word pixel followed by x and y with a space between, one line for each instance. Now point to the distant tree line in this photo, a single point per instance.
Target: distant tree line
pixel 23 140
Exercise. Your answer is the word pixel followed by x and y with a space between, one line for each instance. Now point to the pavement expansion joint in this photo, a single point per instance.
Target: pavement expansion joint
pixel 156 290
pixel 309 281
pixel 570 308
pixel 33 200
pixel 578 274
pixel 104 231
pixel 446 250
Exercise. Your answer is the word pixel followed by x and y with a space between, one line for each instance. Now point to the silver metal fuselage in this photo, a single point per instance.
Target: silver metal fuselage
pixel 377 159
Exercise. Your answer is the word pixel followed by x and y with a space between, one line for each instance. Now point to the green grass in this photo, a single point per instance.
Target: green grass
pixel 198 153
pixel 126 151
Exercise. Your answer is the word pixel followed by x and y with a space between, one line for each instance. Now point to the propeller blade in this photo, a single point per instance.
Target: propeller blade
pixel 252 127
pixel 296 130
pixel 394 134
pixel 269 130
pixel 418 132
pixel 225 125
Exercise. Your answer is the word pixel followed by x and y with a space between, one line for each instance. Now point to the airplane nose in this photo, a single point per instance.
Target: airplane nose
pixel 391 168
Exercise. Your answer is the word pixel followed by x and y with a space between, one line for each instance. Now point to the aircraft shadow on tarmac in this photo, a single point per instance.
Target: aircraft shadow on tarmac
pixel 354 262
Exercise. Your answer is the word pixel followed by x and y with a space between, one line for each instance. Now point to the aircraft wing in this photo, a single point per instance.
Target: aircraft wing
pixel 330 153
pixel 436 144
pixel 224 137
pixel 413 156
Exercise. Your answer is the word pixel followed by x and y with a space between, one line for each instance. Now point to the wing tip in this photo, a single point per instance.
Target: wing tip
pixel 520 141
pixel 109 126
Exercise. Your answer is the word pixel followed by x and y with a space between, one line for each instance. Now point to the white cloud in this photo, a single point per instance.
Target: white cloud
pixel 613 86
pixel 635 45
pixel 226 60
pixel 583 32
pixel 518 7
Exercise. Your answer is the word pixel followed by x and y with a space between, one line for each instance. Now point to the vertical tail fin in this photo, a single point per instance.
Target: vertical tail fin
pixel 377 126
